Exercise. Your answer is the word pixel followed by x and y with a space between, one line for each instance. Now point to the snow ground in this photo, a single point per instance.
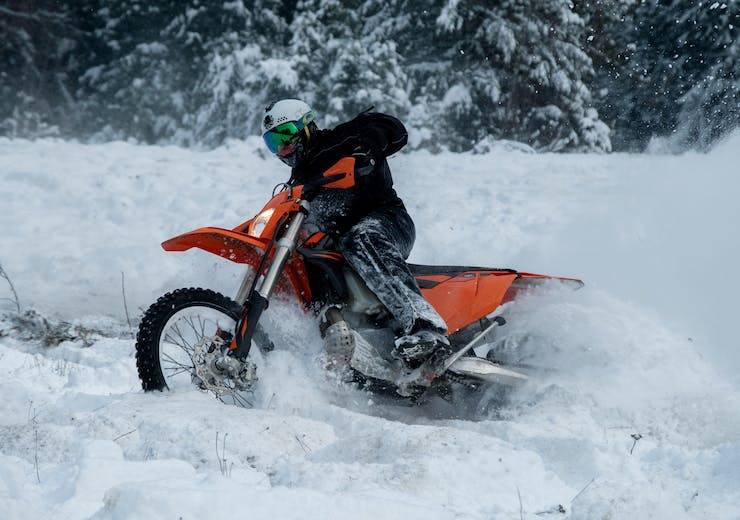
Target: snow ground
pixel 647 348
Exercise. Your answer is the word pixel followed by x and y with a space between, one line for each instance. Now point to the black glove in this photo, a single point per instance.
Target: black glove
pixel 314 187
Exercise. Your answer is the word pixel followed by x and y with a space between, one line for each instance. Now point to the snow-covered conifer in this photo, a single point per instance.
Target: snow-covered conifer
pixel 710 108
pixel 37 66
pixel 243 69
pixel 514 70
pixel 342 69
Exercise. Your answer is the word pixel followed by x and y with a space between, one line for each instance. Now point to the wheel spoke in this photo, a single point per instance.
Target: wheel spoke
pixel 188 351
pixel 189 321
pixel 174 362
pixel 177 367
pixel 202 327
pixel 169 338
pixel 242 401
pixel 176 328
pixel 179 371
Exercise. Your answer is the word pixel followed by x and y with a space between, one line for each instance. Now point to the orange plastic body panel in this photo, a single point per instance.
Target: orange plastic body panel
pixel 231 245
pixel 314 239
pixel 344 166
pixel 243 249
pixel 283 203
pixel 467 297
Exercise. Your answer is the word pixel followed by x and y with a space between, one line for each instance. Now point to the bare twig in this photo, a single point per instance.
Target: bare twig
pixel 223 449
pixel 560 509
pixel 521 507
pixel 16 300
pixel 302 444
pixel 124 434
pixel 36 452
pixel 270 401
pixel 125 306
pixel 636 437
pixel 218 456
pixel 33 415
pixel 223 465
pixel 148 453
pixel 582 490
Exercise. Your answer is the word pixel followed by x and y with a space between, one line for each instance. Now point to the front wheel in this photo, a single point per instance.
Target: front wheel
pixel 179 337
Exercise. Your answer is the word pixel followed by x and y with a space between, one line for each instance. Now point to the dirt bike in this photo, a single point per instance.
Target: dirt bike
pixel 199 337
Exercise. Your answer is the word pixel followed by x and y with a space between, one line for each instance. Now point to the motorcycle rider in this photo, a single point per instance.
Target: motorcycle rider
pixel 372 227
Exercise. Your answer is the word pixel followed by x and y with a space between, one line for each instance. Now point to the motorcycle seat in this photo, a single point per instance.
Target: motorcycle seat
pixel 451 270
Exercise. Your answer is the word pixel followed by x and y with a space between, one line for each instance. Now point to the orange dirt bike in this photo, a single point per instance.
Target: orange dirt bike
pixel 202 338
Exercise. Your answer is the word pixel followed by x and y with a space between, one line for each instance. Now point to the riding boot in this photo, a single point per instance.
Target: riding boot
pixel 377 248
pixel 420 346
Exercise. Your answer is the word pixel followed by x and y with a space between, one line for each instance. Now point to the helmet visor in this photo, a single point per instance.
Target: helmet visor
pixel 282 139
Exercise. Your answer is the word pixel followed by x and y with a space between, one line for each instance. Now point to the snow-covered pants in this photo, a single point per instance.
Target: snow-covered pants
pixel 377 248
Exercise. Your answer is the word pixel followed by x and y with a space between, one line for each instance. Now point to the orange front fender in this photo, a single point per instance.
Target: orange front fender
pixel 231 245
pixel 243 249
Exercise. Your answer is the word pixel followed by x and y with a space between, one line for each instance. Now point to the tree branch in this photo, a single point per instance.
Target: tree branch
pixel 15 300
pixel 41 16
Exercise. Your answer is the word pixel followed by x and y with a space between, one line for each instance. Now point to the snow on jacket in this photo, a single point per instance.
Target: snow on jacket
pixel 370 137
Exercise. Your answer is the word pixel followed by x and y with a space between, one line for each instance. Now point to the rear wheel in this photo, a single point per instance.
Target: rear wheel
pixel 179 340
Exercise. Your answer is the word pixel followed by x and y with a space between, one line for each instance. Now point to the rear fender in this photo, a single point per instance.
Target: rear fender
pixel 525 282
pixel 469 296
pixel 466 297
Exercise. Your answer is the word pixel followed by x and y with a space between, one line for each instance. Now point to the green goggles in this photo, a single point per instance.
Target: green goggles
pixel 282 139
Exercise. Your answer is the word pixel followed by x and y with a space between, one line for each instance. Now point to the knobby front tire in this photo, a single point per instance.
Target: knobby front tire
pixel 149 336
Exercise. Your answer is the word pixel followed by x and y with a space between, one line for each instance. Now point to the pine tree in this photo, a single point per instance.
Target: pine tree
pixel 458 72
pixel 410 24
pixel 685 63
pixel 513 70
pixel 711 107
pixel 246 68
pixel 37 68
pixel 133 87
pixel 610 39
pixel 149 80
pixel 341 68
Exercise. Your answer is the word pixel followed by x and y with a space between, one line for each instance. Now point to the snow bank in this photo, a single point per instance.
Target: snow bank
pixel 639 401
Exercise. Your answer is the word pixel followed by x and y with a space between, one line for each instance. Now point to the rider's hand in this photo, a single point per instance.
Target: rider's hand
pixel 314 187
pixel 309 191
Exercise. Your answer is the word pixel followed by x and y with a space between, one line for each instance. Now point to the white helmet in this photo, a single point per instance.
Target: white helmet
pixel 285 129
pixel 284 111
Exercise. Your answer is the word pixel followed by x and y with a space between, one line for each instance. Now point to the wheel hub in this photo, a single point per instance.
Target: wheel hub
pixel 218 372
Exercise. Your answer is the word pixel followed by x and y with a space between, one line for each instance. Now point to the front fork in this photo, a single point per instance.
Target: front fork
pixel 258 299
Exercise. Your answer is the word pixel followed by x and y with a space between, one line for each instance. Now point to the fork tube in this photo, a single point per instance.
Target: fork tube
pixel 285 247
pixel 258 300
pixel 243 292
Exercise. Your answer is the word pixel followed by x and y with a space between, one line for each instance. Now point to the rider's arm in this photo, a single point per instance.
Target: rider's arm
pixel 380 134
pixel 384 135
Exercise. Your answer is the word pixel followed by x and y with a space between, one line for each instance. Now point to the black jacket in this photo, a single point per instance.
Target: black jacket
pixel 370 138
